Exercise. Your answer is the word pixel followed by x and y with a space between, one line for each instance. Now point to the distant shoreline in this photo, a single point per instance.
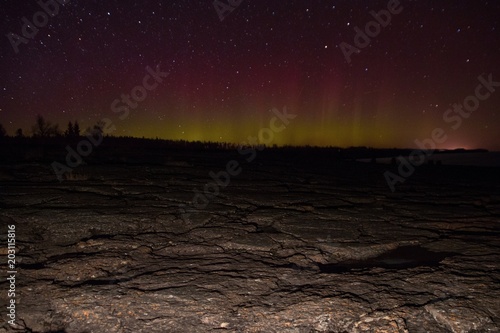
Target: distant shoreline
pixel 462 158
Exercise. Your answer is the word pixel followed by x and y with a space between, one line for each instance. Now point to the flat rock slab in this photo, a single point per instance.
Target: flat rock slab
pixel 274 252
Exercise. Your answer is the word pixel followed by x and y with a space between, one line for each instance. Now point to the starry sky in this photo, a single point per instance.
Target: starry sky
pixel 224 76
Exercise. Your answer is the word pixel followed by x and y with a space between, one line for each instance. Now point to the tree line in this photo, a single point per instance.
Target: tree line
pixel 46 129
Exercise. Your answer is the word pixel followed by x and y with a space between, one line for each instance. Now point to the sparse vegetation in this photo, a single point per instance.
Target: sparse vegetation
pixel 44 128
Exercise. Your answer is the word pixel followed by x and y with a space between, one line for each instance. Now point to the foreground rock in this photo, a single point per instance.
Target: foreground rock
pixel 279 250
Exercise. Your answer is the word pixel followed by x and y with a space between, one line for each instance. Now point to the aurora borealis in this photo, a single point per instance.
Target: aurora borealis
pixel 225 76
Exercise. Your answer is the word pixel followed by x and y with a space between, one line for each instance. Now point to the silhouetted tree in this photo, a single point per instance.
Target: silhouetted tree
pixel 3 133
pixel 70 132
pixel 19 133
pixel 76 129
pixel 44 129
pixel 99 127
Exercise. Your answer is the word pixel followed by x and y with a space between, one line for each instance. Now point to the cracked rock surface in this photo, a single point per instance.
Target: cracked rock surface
pixel 282 248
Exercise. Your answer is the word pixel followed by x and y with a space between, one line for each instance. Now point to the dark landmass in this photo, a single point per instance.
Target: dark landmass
pixel 301 240
pixel 156 150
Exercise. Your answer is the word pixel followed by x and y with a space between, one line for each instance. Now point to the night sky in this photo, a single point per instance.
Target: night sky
pixel 225 76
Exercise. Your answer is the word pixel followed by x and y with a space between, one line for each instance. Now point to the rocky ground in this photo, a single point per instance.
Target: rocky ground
pixel 283 248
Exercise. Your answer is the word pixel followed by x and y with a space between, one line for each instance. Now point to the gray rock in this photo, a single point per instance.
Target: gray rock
pixel 273 253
